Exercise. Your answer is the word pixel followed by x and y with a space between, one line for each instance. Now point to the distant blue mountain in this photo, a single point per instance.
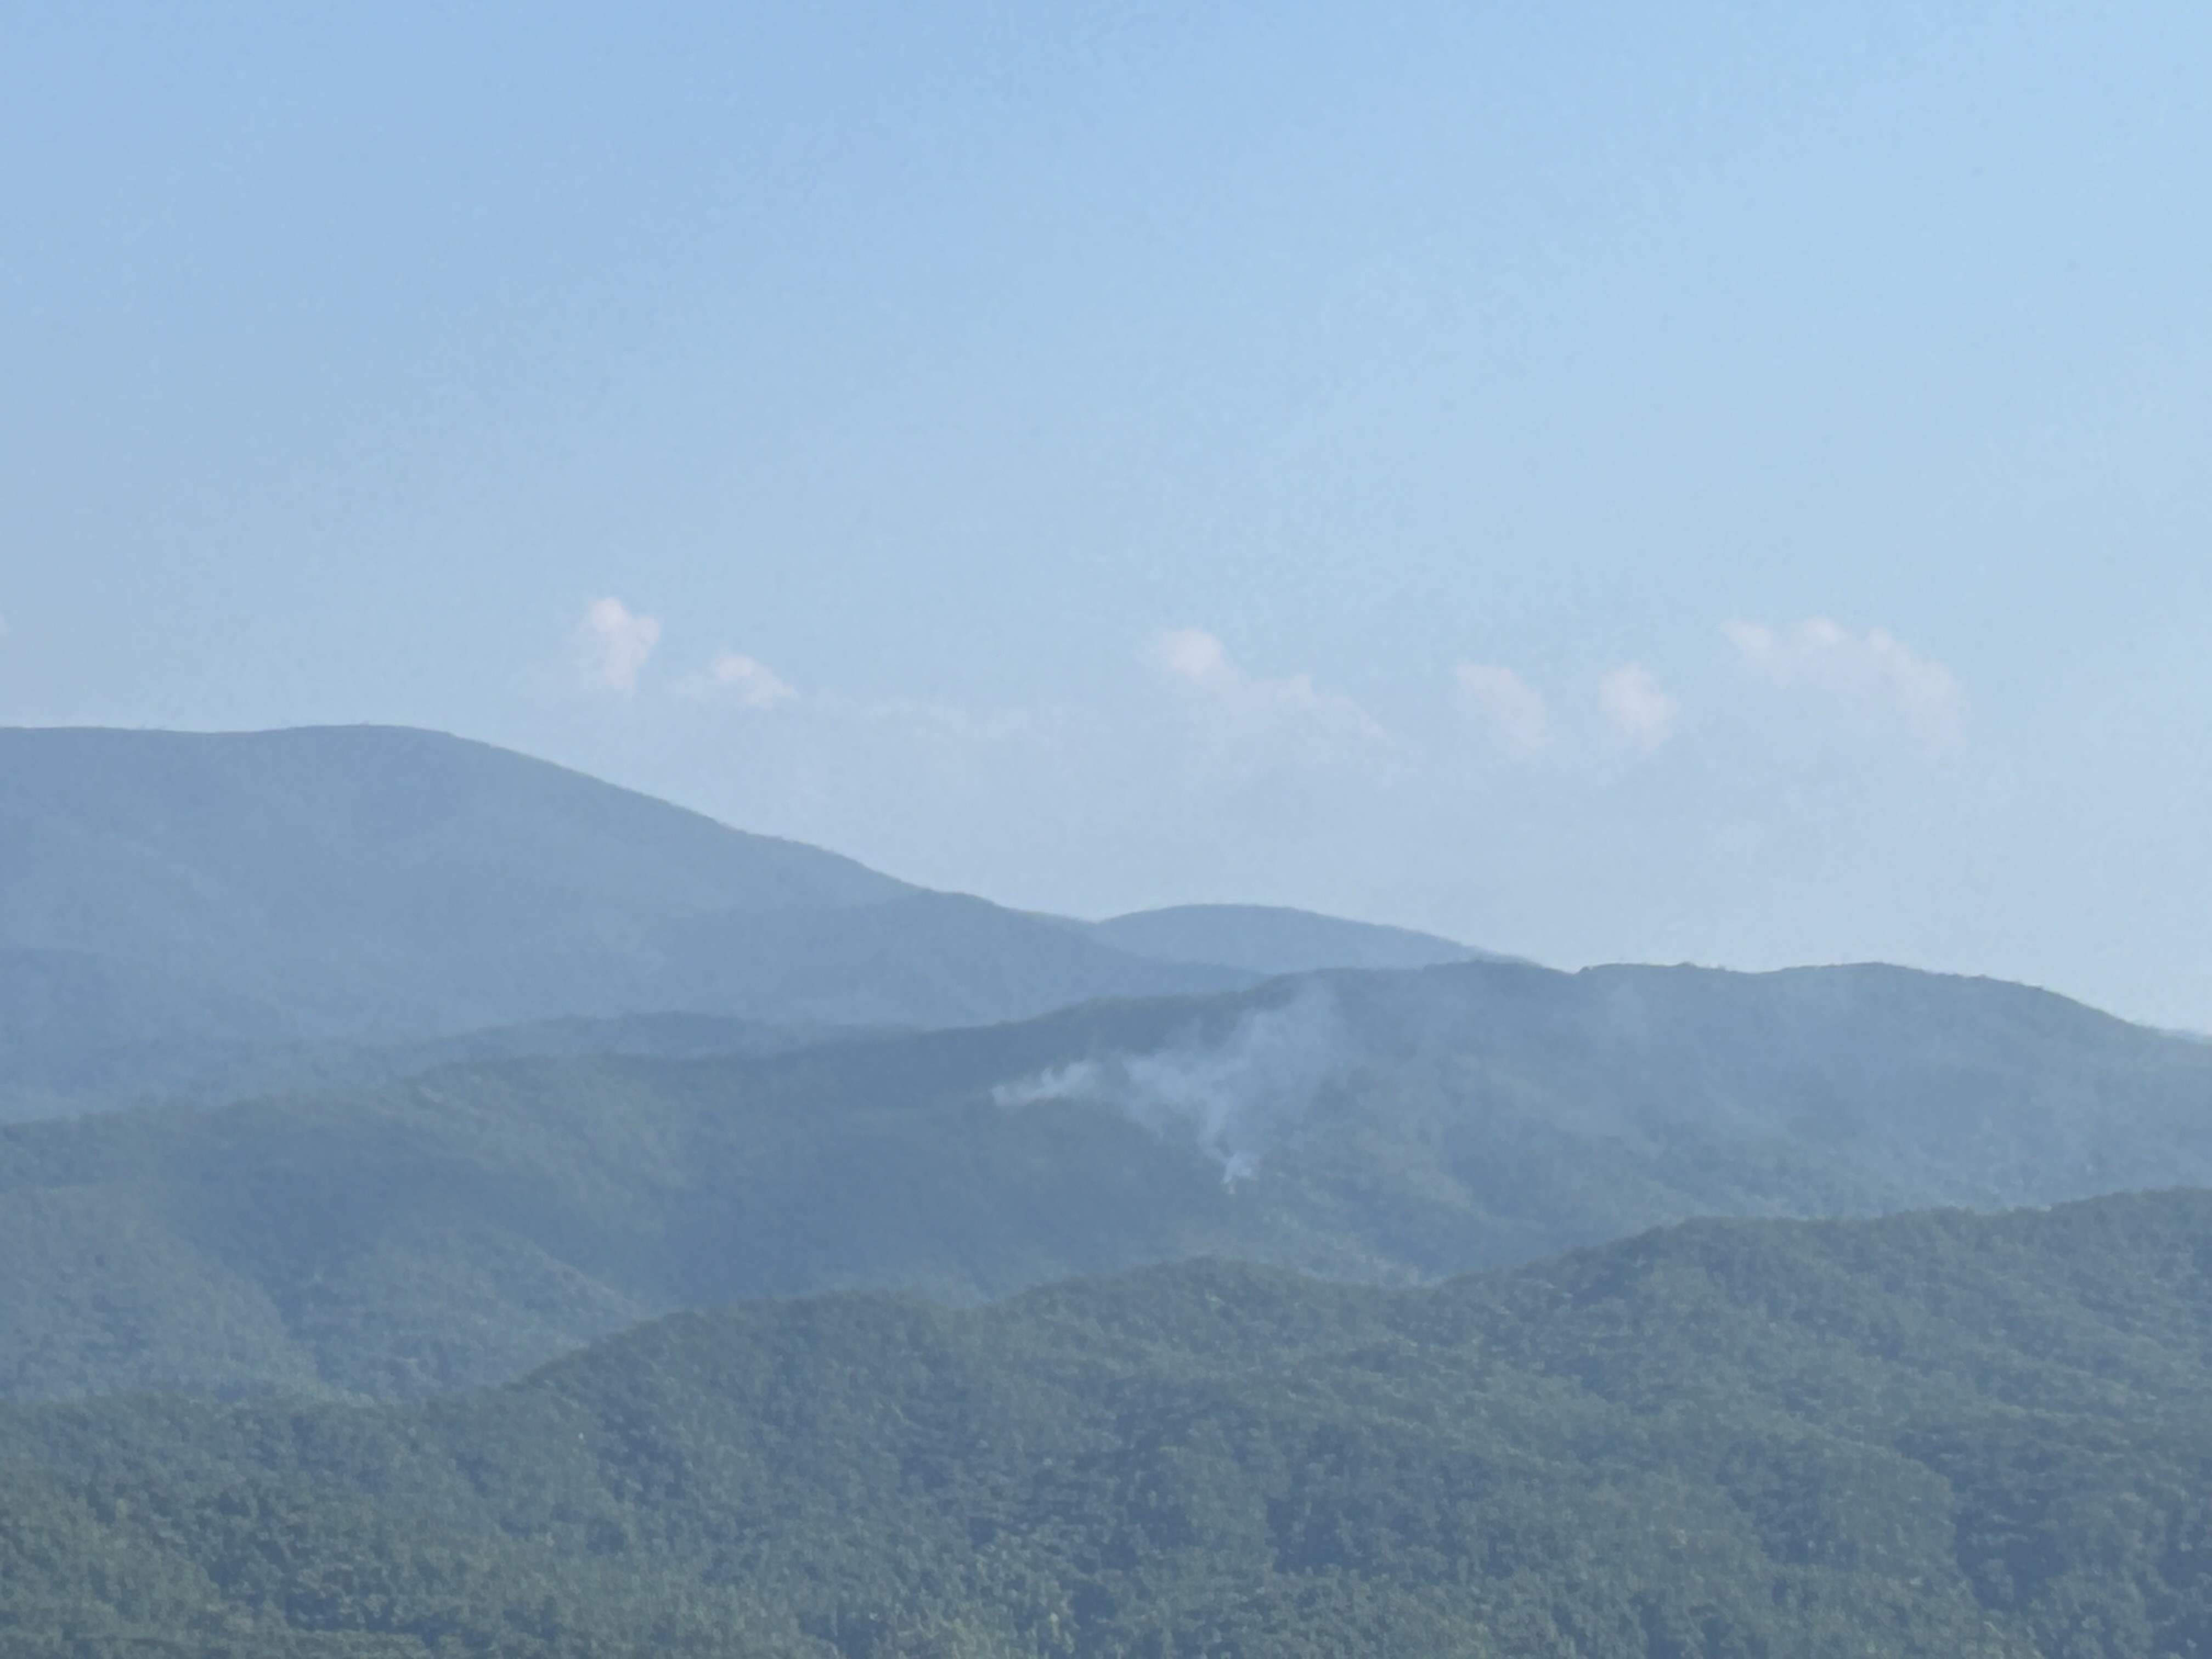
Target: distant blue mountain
pixel 1268 939
pixel 368 883
pixel 176 908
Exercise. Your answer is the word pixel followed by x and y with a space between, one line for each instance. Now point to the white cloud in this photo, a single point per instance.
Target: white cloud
pixel 1249 727
pixel 1196 659
pixel 1637 707
pixel 1873 677
pixel 1509 703
pixel 1194 654
pixel 613 645
pixel 745 681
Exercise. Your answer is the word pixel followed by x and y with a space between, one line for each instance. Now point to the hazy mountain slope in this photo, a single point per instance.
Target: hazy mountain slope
pixel 367 883
pixel 1268 939
pixel 462 1225
pixel 309 869
pixel 1827 1091
pixel 181 1071
pixel 1936 1435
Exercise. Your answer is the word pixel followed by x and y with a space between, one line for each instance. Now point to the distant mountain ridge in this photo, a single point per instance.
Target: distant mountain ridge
pixel 1268 940
pixel 461 1226
pixel 520 1058
pixel 166 897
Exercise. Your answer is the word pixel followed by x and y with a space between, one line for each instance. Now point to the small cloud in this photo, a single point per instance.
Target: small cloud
pixel 1195 655
pixel 1874 677
pixel 1241 727
pixel 1198 659
pixel 1637 707
pixel 613 644
pixel 1509 703
pixel 738 680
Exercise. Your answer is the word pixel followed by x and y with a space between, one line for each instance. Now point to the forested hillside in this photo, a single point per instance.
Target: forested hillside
pixel 459 1227
pixel 1935 1435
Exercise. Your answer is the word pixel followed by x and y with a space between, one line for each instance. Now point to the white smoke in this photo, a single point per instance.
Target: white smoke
pixel 1236 1097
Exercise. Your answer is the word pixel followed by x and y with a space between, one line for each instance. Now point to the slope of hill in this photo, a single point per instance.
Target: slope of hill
pixel 1936 1435
pixel 184 1071
pixel 461 1226
pixel 195 917
pixel 166 898
pixel 1268 940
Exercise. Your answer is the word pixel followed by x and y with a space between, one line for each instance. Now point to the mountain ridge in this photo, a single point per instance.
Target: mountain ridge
pixel 1272 939
pixel 460 1225
pixel 172 902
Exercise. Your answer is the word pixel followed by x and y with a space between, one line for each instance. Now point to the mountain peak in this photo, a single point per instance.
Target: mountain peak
pixel 1270 940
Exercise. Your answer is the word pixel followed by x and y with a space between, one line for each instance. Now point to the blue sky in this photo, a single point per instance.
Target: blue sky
pixel 1720 482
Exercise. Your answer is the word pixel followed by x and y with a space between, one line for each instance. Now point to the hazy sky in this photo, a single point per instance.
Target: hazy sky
pixel 1711 482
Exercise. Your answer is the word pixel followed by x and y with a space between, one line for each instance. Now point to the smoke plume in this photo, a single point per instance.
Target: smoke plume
pixel 1236 1097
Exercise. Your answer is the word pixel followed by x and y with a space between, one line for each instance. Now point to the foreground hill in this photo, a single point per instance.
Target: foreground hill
pixel 459 1227
pixel 1936 1435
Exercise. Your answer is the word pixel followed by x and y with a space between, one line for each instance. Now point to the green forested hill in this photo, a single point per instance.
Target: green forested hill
pixel 1939 1434
pixel 459 1227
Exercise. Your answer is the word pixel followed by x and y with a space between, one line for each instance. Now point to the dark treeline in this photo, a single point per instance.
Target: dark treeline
pixel 1938 1434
